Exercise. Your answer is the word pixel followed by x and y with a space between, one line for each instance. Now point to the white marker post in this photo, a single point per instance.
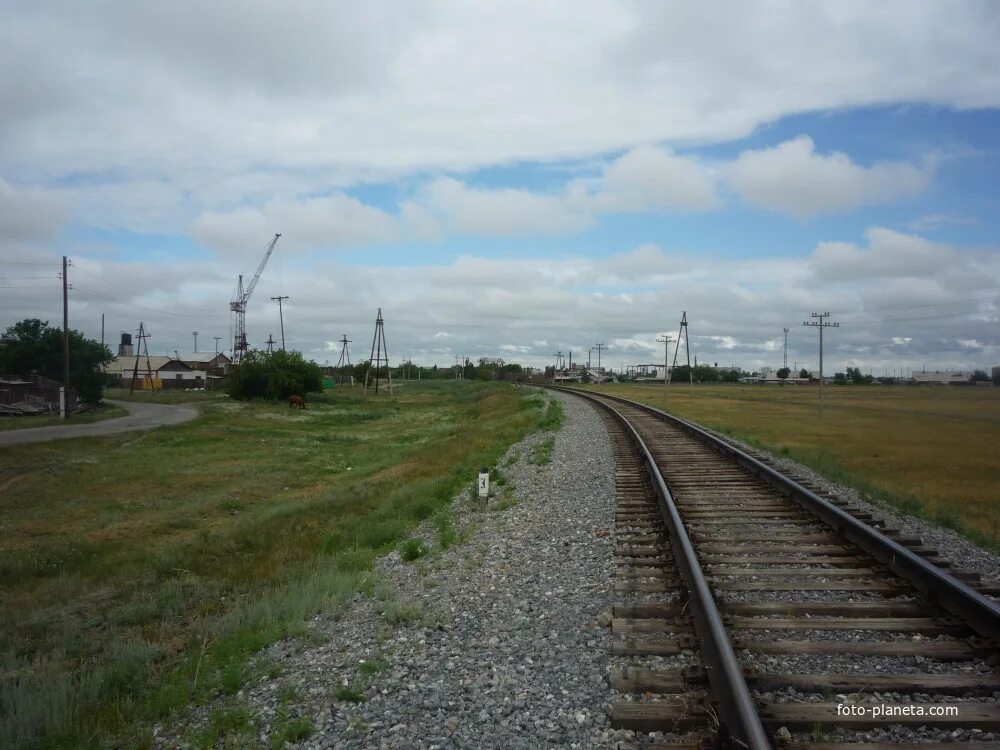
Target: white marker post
pixel 484 482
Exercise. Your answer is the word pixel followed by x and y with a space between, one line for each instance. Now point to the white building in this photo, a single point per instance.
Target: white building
pixel 946 377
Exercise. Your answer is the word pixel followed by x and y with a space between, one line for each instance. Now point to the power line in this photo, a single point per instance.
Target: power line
pixel 144 307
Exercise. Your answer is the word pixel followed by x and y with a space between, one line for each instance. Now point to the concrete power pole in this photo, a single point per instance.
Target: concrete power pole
pixel 665 340
pixel 820 323
pixel 281 318
pixel 64 400
pixel 599 347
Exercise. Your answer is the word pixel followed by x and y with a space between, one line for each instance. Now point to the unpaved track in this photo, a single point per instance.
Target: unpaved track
pixel 141 417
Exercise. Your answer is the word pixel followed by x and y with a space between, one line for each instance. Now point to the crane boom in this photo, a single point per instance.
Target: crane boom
pixel 239 305
pixel 260 268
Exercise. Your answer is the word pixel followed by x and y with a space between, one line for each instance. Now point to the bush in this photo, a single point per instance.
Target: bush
pixel 412 549
pixel 274 376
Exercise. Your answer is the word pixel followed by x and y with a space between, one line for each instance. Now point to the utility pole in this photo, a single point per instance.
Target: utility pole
pixel 195 334
pixel 270 343
pixel 102 330
pixel 142 345
pixel 820 323
pixel 785 365
pixel 281 318
pixel 64 396
pixel 345 358
pixel 599 347
pixel 683 330
pixel 665 340
pixel 378 347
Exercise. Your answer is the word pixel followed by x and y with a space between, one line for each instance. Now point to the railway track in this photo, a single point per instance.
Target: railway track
pixel 755 613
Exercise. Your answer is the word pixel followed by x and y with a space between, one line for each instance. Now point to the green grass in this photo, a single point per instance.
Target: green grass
pixel 97 414
pixel 930 452
pixel 412 549
pixel 140 572
pixel 541 453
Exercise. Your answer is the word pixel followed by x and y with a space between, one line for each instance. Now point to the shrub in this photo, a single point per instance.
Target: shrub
pixel 412 549
pixel 274 376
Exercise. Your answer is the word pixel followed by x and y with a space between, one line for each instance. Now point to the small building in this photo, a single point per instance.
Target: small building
pixel 172 372
pixel 211 363
pixel 945 377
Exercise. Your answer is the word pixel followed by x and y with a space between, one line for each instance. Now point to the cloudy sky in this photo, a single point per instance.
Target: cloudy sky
pixel 511 179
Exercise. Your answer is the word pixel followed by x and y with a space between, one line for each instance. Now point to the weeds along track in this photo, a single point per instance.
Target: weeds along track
pixel 755 613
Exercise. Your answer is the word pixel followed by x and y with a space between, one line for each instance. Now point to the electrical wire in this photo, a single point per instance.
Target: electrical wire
pixel 145 307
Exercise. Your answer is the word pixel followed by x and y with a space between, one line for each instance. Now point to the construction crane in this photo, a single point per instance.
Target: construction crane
pixel 239 305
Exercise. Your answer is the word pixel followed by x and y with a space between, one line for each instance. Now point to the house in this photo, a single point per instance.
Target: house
pixel 164 369
pixel 211 363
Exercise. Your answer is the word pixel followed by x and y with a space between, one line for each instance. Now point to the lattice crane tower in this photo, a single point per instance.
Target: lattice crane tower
pixel 239 305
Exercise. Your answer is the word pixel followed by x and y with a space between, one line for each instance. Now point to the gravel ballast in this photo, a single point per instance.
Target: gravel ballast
pixel 491 643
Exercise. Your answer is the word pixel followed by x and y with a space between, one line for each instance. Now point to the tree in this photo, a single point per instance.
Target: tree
pixel 979 376
pixel 784 372
pixel 804 374
pixel 277 375
pixel 855 375
pixel 34 347
pixel 839 378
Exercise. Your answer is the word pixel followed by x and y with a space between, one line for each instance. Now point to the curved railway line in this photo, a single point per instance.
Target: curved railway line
pixel 757 613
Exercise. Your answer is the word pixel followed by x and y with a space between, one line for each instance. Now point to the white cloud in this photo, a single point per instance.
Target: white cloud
pixel 501 212
pixel 736 309
pixel 377 89
pixel 792 178
pixel 334 221
pixel 888 254
pixel 652 178
pixel 930 222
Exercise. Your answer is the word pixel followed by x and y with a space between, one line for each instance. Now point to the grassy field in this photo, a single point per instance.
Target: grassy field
pixel 933 452
pixel 138 573
pixel 99 413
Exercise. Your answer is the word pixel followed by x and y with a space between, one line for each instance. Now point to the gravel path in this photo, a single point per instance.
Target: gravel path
pixel 493 643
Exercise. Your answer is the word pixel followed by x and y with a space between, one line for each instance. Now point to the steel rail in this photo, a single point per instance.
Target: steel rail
pixel 738 712
pixel 979 612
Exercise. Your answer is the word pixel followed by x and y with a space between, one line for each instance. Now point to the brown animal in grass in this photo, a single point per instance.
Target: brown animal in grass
pixel 298 401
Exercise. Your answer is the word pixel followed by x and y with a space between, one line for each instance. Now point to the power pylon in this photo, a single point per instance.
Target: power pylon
pixel 683 331
pixel 785 365
pixel 270 343
pixel 380 354
pixel 142 336
pixel 345 357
